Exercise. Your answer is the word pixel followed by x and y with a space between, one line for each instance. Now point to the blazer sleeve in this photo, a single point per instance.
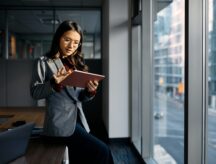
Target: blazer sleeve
pixel 85 96
pixel 40 86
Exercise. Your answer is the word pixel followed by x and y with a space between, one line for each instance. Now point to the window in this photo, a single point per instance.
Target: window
pixel 211 82
pixel 168 89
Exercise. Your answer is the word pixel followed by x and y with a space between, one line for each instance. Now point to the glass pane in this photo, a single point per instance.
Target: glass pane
pixel 136 87
pixel 2 34
pixel 168 96
pixel 212 83
pixel 29 33
pixel 90 22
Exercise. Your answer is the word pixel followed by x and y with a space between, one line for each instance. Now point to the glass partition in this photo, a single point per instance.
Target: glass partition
pixel 2 33
pixel 27 33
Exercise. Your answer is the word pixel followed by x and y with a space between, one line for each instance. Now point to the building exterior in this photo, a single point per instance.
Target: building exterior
pixel 169 50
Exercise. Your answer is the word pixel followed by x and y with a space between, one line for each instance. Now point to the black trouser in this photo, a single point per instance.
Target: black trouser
pixel 84 148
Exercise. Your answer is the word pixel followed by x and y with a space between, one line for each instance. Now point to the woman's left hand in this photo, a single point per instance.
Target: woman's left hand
pixel 92 86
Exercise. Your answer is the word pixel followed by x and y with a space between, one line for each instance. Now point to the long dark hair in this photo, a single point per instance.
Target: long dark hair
pixel 77 59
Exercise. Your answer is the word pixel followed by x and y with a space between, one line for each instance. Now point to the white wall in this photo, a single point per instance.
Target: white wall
pixel 116 67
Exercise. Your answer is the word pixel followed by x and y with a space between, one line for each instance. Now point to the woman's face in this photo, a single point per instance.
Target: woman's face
pixel 69 42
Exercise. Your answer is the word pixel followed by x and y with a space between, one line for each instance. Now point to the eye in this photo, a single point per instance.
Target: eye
pixel 66 39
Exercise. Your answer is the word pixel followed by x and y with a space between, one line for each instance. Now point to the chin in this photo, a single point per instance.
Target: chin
pixel 68 54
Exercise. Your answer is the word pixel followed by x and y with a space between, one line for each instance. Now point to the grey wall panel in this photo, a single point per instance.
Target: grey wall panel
pixel 3 101
pixel 18 82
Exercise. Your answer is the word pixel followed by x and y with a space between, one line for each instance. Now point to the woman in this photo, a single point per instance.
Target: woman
pixel 65 121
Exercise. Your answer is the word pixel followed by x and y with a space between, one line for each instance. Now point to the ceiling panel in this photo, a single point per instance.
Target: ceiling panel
pixel 41 21
pixel 74 3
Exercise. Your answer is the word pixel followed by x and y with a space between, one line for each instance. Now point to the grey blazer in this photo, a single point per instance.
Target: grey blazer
pixel 62 107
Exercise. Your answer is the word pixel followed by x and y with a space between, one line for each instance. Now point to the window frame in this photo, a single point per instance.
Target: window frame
pixel 196 83
pixel 196 73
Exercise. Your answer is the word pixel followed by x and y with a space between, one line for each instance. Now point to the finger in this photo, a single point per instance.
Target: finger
pixel 56 78
pixel 91 86
pixel 57 73
pixel 70 71
pixel 60 72
pixel 63 71
pixel 90 83
pixel 95 82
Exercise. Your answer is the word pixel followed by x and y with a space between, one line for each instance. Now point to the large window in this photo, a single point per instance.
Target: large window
pixel 211 82
pixel 178 61
pixel 168 83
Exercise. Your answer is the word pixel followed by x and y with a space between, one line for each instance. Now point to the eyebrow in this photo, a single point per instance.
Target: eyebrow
pixel 66 37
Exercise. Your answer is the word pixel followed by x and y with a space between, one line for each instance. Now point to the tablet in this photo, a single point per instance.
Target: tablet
pixel 80 79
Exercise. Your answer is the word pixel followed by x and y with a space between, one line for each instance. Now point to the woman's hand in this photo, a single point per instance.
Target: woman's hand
pixel 92 86
pixel 61 75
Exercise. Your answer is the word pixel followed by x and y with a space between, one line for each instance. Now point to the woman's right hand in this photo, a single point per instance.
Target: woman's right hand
pixel 61 75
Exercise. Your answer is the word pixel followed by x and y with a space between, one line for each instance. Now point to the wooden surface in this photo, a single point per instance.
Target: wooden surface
pixel 35 115
pixel 37 152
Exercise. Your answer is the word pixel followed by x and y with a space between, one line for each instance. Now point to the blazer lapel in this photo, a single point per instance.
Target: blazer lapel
pixel 55 65
pixel 71 92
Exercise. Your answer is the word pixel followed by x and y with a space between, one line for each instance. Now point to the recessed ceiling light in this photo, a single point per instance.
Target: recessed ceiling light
pixel 49 21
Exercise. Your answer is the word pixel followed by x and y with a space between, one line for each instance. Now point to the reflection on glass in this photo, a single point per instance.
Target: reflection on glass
pixel 212 83
pixel 29 32
pixel 1 43
pixel 136 131
pixel 2 34
pixel 169 82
